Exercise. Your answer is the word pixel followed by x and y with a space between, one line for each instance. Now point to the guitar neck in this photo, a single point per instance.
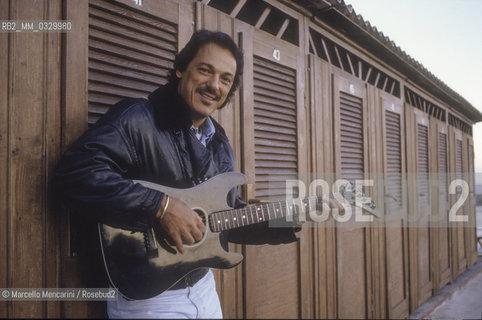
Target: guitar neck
pixel 230 219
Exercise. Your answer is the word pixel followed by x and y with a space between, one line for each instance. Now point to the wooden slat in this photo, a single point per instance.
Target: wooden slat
pixel 26 180
pixel 443 169
pixel 422 163
pixel 130 54
pixel 131 15
pixel 351 133
pixel 393 159
pixel 275 130
pixel 4 153
pixel 458 159
pixel 146 33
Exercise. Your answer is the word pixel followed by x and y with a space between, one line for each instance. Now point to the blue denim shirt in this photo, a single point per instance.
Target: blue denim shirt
pixel 207 131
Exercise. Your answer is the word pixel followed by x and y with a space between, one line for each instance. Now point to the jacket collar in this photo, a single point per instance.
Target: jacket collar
pixel 170 110
pixel 172 113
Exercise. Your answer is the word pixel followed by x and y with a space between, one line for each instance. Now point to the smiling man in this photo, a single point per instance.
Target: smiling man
pixel 169 139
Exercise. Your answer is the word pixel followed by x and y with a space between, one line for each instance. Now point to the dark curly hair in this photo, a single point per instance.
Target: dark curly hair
pixel 198 40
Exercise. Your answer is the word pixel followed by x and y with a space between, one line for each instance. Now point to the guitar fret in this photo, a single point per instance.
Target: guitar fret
pixel 226 219
pixel 293 208
pixel 240 217
pixel 231 220
pixel 266 212
pixel 246 216
pixel 277 212
pixel 224 222
pixel 235 219
pixel 288 209
pixel 216 222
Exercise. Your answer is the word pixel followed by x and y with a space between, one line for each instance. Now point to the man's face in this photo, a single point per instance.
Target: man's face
pixel 206 82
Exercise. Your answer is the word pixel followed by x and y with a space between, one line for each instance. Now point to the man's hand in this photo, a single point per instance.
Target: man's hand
pixel 181 224
pixel 333 204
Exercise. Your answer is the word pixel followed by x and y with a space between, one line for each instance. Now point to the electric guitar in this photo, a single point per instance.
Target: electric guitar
pixel 141 265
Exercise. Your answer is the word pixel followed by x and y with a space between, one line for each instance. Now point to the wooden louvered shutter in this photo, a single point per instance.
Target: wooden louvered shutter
pixel 458 159
pixel 352 278
pixel 351 133
pixel 274 128
pixel 393 160
pixel 423 240
pixel 395 231
pixel 443 246
pixel 130 54
pixel 422 163
pixel 471 167
pixel 443 166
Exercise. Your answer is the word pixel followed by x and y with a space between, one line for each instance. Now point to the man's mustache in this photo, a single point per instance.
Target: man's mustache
pixel 209 91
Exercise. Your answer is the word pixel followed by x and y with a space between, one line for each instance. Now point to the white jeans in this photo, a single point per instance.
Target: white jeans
pixel 199 301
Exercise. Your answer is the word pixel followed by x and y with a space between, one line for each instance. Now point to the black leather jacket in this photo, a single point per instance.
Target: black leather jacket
pixel 146 140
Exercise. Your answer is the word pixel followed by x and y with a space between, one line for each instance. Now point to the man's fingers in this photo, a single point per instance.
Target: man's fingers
pixel 197 235
pixel 201 226
pixel 336 205
pixel 178 243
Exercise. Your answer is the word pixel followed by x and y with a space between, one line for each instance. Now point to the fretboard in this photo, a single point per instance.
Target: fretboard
pixel 230 219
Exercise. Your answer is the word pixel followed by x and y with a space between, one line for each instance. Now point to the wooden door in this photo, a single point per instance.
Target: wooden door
pixel 353 280
pixel 396 241
pixel 423 207
pixel 272 109
pixel 30 138
pixel 471 236
pixel 442 238
pixel 323 167
pixel 461 254
pixel 228 282
pixel 127 50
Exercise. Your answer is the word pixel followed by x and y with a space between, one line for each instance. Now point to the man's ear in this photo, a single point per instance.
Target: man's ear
pixel 178 74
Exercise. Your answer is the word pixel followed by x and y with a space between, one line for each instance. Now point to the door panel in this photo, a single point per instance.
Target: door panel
pixel 352 246
pixel 443 239
pixel 460 230
pixel 471 205
pixel 271 155
pixel 424 274
pixel 396 243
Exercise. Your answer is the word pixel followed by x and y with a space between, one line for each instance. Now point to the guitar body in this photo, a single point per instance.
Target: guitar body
pixel 139 271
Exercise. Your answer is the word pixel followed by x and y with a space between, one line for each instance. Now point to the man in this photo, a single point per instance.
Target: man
pixel 169 139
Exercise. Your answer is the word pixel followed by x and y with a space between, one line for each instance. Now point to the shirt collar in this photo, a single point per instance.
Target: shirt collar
pixel 207 131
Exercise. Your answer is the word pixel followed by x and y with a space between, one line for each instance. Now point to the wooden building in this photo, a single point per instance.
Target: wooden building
pixel 322 92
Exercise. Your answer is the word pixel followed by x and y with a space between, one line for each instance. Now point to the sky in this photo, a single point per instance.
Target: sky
pixel 443 35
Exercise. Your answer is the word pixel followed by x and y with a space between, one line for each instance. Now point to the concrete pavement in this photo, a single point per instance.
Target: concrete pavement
pixel 461 299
